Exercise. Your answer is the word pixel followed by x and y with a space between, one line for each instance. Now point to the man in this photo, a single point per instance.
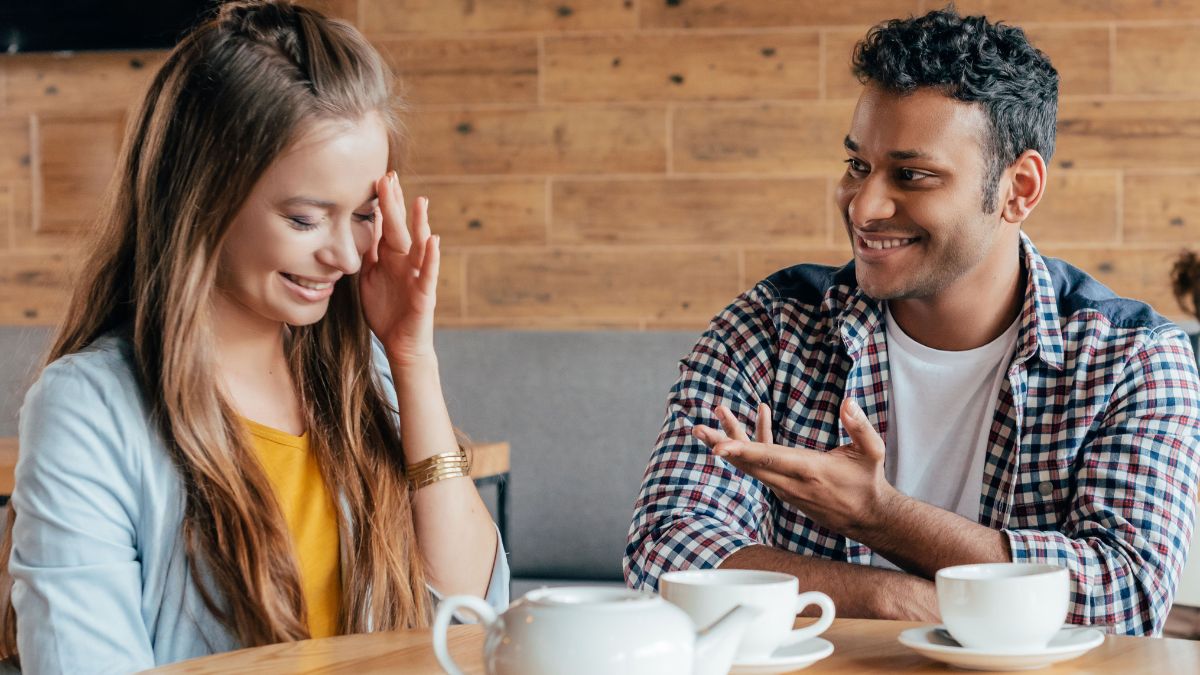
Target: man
pixel 950 396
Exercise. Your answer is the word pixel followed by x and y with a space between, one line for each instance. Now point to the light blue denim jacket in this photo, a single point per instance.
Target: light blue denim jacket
pixel 101 579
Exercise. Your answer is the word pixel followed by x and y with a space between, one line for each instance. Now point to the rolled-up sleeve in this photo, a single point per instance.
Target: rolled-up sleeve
pixel 1126 536
pixel 694 509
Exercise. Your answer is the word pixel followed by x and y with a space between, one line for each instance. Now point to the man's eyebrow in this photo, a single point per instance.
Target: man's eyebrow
pixel 908 154
pixel 894 154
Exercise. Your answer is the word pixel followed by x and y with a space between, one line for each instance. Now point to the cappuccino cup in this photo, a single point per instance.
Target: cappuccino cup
pixel 1004 607
pixel 706 595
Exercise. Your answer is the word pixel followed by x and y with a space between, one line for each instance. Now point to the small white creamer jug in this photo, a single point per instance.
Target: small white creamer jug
pixel 593 630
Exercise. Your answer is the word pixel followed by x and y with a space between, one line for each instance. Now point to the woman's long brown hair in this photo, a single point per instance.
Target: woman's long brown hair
pixel 230 98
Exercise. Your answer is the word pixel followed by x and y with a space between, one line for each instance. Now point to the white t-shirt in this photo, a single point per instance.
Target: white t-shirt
pixel 940 411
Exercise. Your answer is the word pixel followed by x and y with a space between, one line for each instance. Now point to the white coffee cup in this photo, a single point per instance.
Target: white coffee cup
pixel 1006 607
pixel 706 595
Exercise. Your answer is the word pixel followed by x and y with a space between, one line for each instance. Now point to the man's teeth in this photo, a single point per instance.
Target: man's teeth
pixel 311 285
pixel 887 243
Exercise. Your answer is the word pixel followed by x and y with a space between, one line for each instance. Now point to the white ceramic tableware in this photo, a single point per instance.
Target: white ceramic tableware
pixel 594 630
pixel 786 659
pixel 1003 606
pixel 1070 642
pixel 707 594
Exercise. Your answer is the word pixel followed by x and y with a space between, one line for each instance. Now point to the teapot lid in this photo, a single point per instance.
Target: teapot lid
pixel 590 597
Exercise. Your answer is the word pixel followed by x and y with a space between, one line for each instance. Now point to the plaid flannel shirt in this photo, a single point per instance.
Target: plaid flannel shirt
pixel 1092 454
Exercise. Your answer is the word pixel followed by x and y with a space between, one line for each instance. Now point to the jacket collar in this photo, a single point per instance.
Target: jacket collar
pixel 1039 334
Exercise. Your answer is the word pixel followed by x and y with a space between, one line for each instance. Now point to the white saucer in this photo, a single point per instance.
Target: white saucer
pixel 1070 642
pixel 785 659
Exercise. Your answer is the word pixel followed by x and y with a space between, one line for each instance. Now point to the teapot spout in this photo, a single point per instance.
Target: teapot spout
pixel 717 644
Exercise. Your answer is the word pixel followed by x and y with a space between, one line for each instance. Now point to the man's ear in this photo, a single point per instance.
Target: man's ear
pixel 1026 185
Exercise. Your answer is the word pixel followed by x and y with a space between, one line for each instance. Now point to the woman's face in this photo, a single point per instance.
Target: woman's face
pixel 306 224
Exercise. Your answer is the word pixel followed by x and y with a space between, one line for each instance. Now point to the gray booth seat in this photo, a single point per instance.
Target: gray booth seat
pixel 581 411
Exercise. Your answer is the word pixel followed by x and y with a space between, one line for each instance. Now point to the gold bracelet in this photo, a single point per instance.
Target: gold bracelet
pixel 438 468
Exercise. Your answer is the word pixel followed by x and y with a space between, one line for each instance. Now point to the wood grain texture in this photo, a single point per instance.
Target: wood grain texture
pixel 770 139
pixel 642 283
pixel 1163 209
pixel 8 465
pixel 673 67
pixel 464 70
pixel 1128 134
pixel 88 82
pixel 860 646
pixel 346 10
pixel 16 153
pixel 839 44
pixel 485 212
pixel 714 131
pixel 689 211
pixel 757 13
pixel 76 156
pixel 1077 207
pixel 489 459
pixel 1141 274
pixel 1144 66
pixel 6 217
pixel 1080 54
pixel 34 288
pixel 26 237
pixel 1081 10
pixel 539 141
pixel 763 262
pixel 438 16
pixel 450 295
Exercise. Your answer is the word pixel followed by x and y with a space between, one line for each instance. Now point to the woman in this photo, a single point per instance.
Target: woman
pixel 219 454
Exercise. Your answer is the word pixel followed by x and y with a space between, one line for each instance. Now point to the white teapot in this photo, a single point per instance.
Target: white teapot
pixel 595 630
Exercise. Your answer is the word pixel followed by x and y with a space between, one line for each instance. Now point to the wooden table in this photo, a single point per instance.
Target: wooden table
pixel 8 463
pixel 861 646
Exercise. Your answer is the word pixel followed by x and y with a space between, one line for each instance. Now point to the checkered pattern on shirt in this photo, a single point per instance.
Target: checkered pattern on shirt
pixel 1093 452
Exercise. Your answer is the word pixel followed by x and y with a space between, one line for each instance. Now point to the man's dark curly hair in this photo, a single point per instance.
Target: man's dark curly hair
pixel 970 59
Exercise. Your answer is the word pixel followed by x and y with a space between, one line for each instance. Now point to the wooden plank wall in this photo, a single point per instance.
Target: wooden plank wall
pixel 637 163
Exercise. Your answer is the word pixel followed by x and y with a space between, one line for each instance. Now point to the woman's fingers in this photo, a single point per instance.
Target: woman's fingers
pixel 427 283
pixel 376 235
pixel 419 224
pixel 394 233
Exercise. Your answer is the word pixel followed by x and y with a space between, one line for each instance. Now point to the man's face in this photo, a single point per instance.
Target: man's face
pixel 912 194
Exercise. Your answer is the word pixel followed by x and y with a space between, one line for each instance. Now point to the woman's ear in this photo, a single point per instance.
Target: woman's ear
pixel 1027 184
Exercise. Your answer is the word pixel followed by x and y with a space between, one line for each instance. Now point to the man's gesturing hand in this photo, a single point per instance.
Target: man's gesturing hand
pixel 843 489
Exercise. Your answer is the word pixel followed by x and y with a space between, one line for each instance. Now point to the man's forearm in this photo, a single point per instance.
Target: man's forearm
pixel 922 539
pixel 858 591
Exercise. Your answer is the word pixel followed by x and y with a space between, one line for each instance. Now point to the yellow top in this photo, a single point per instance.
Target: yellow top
pixel 311 519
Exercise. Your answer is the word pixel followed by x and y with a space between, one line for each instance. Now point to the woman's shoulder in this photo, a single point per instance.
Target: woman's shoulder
pixel 105 366
pixel 97 382
pixel 84 410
